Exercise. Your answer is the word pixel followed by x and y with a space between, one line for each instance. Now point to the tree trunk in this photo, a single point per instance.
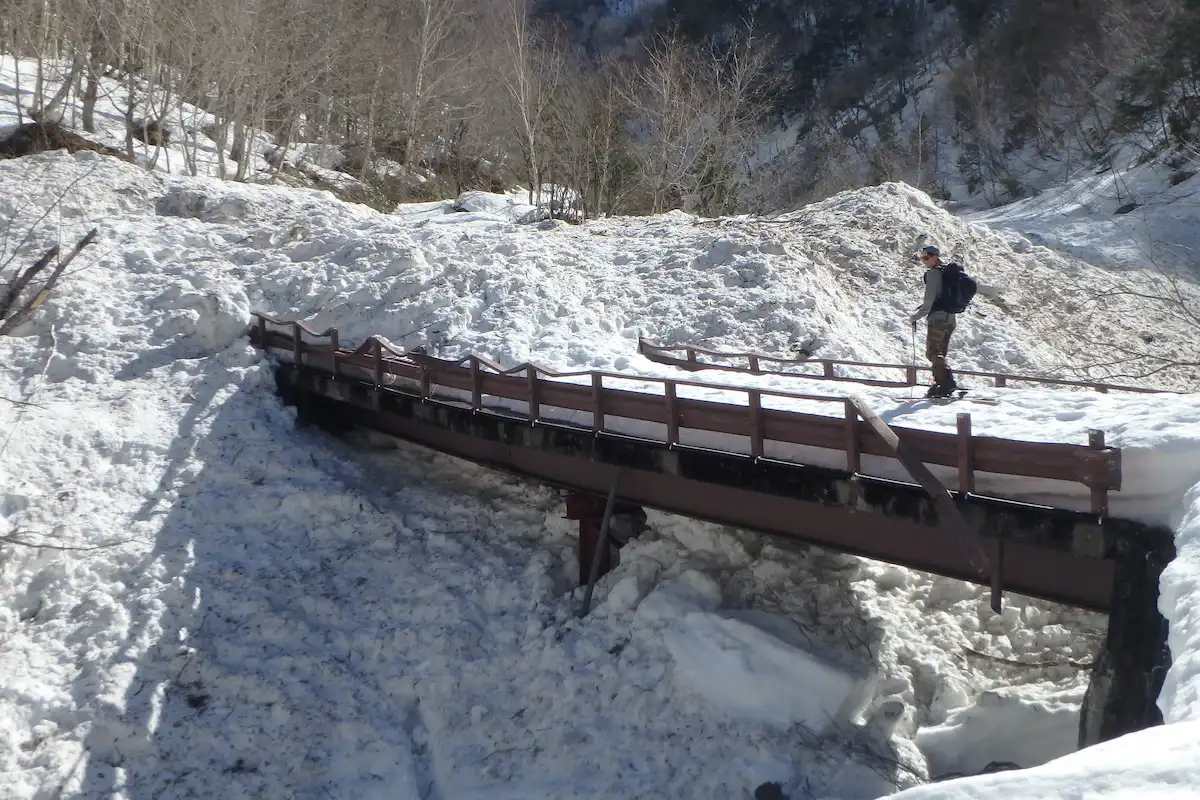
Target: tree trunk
pixel 222 140
pixel 130 106
pixel 414 109
pixel 90 93
pixel 17 88
pixel 47 111
pixel 369 145
pixel 161 117
pixel 238 151
pixel 188 161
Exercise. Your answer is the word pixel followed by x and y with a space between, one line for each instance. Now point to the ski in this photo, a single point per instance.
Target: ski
pixel 958 394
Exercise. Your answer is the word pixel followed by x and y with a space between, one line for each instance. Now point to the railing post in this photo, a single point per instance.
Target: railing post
pixel 535 391
pixel 1099 491
pixel 754 365
pixel 672 413
pixel 297 344
pixel 853 452
pixel 966 455
pixel 827 366
pixel 425 382
pixel 1101 388
pixel 1001 381
pixel 998 575
pixel 691 355
pixel 377 355
pixel 335 344
pixel 597 410
pixel 910 374
pixel 476 384
pixel 262 331
pixel 756 424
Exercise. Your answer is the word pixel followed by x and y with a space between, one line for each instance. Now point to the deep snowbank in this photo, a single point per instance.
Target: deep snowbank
pixel 1156 764
pixel 1179 601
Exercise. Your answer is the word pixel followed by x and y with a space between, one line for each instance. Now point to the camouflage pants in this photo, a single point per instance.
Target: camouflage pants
pixel 937 344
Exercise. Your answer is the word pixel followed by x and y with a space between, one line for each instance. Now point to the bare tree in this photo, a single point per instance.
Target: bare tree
pixel 699 110
pixel 532 76
pixel 435 66
pixel 587 139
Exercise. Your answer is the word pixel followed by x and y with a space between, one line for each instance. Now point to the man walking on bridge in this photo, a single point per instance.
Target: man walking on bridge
pixel 938 309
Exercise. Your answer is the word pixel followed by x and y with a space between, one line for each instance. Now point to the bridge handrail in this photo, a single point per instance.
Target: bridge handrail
pixel 1094 465
pixel 691 361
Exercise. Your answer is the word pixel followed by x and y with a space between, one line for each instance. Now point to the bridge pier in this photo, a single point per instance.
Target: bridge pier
pixel 1133 659
pixel 627 521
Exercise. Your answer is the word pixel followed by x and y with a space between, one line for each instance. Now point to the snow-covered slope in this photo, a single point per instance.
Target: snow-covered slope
pixel 241 608
pixel 1120 219
pixel 189 149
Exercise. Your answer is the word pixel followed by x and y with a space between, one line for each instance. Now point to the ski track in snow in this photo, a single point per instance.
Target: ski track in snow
pixel 274 612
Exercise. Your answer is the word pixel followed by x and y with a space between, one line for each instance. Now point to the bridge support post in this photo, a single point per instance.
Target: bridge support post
pixel 627 521
pixel 1129 668
pixel 304 388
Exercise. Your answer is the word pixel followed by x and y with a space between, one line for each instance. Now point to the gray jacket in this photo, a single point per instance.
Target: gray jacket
pixel 933 288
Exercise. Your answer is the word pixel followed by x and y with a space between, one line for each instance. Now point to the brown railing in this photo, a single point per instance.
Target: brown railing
pixel 1094 465
pixel 693 358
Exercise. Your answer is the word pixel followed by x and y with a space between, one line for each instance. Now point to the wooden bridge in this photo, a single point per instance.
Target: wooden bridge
pixel 752 466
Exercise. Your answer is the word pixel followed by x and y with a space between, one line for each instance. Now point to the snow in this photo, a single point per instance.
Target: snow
pixel 274 611
pixel 488 205
pixel 186 124
pixel 1178 590
pixel 752 674
pixel 1090 217
pixel 1158 763
pixel 974 736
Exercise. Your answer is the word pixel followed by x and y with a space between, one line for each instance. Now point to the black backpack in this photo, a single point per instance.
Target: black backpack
pixel 958 288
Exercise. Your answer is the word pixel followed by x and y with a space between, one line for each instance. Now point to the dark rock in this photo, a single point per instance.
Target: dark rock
pixel 769 791
pixel 150 131
pixel 1129 669
pixel 999 766
pixel 38 137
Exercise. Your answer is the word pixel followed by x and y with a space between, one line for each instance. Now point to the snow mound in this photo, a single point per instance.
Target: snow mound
pixel 200 321
pixel 194 203
pixel 1003 726
pixel 1179 601
pixel 1160 763
pixel 326 156
pixel 754 676
pixel 677 597
pixel 498 206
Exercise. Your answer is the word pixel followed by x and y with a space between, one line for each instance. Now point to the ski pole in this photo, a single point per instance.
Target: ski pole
pixel 913 360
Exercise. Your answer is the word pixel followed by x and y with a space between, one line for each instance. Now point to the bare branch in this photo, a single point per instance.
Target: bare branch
pixel 8 324
pixel 12 539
